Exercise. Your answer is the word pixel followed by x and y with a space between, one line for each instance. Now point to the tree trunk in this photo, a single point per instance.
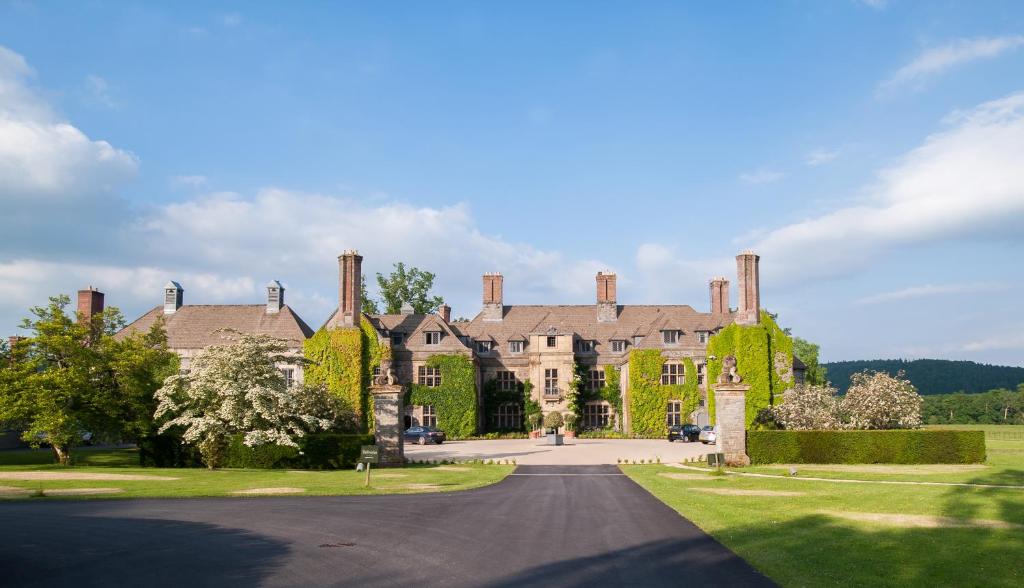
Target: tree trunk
pixel 62 453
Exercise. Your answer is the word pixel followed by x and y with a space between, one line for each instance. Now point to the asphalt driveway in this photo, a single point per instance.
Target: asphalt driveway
pixel 542 526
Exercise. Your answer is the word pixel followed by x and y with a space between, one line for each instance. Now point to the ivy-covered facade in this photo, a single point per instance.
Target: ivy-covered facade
pixel 636 369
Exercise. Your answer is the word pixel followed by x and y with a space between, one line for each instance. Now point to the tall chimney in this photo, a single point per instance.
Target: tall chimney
pixel 446 313
pixel 173 297
pixel 493 304
pixel 719 287
pixel 275 297
pixel 90 303
pixel 350 304
pixel 607 307
pixel 748 277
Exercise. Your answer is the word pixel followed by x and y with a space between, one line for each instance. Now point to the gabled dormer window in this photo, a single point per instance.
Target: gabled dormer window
pixel 670 336
pixel 618 346
pixel 585 346
pixel 702 336
pixel 432 337
pixel 397 338
pixel 483 346
pixel 515 346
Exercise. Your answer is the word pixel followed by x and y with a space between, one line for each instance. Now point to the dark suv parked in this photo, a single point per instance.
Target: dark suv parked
pixel 683 432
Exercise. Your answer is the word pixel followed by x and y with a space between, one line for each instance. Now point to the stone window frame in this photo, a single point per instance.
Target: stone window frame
pixel 701 367
pixel 672 373
pixel 289 376
pixel 506 380
pixel 702 337
pixel 432 337
pixel 674 413
pixel 551 382
pixel 618 345
pixel 509 416
pixel 670 336
pixel 428 376
pixel 397 338
pixel 586 346
pixel 483 346
pixel 552 341
pixel 595 379
pixel 516 346
pixel 429 416
pixel 597 414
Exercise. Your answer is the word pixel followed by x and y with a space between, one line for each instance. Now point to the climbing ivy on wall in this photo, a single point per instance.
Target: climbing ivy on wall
pixel 611 393
pixel 342 360
pixel 455 399
pixel 648 398
pixel 764 359
pixel 494 397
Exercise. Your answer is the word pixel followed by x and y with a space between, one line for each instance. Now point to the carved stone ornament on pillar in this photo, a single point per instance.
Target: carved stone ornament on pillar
pixel 731 414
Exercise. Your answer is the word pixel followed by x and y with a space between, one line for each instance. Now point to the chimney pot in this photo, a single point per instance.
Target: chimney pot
pixel 719 290
pixel 445 312
pixel 350 304
pixel 749 282
pixel 494 309
pixel 607 305
pixel 90 303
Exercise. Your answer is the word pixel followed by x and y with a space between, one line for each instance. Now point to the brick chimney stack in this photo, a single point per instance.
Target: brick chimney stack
pixel 494 309
pixel 607 306
pixel 719 287
pixel 749 280
pixel 445 312
pixel 173 297
pixel 275 297
pixel 350 303
pixel 90 303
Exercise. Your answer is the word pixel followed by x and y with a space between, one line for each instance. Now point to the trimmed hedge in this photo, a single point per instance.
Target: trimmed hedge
pixel 320 451
pixel 851 447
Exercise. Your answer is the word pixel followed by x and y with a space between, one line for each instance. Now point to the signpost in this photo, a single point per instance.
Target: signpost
pixel 369 454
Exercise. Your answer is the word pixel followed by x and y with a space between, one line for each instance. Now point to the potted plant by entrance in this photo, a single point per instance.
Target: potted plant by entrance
pixel 553 420
pixel 534 423
pixel 570 426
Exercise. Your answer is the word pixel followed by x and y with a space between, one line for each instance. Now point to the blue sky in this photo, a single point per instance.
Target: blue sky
pixel 871 152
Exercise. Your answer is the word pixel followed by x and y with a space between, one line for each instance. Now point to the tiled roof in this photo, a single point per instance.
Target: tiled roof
pixel 633 320
pixel 194 326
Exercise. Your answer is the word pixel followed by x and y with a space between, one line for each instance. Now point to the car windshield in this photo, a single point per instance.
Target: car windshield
pixel 708 428
pixel 432 429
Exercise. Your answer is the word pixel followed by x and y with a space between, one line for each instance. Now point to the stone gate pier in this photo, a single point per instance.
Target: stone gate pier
pixel 731 414
pixel 388 399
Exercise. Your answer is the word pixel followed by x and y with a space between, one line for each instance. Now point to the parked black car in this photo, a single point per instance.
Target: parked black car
pixel 684 433
pixel 424 435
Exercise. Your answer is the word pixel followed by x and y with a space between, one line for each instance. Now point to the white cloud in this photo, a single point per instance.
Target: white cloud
pixel 930 290
pixel 233 19
pixel 936 60
pixel 820 156
pixel 99 91
pixel 1006 341
pixel 193 182
pixel 44 160
pixel 966 181
pixel 762 176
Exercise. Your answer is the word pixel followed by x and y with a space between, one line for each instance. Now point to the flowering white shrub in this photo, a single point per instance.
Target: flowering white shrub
pixel 877 400
pixel 236 388
pixel 809 407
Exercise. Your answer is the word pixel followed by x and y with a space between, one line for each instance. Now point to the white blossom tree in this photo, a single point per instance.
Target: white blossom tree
pixel 808 408
pixel 876 400
pixel 237 389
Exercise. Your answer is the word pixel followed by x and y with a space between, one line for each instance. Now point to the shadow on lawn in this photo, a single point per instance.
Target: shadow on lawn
pixel 48 546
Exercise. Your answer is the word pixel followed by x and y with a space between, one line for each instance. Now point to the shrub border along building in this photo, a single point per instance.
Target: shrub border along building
pixel 455 400
pixel 319 451
pixel 764 358
pixel 917 446
pixel 648 398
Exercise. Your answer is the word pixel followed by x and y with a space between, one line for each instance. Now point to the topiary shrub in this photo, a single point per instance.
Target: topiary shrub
pixel 853 447
pixel 265 456
pixel 553 420
pixel 534 420
pixel 570 422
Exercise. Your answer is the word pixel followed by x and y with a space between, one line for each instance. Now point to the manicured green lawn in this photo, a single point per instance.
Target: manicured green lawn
pixel 834 533
pixel 113 465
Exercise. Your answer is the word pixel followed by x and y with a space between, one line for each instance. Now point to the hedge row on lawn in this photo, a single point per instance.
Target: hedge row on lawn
pixel 320 451
pixel 890 446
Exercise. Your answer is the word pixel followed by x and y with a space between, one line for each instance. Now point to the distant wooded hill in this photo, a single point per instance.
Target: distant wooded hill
pixel 932 376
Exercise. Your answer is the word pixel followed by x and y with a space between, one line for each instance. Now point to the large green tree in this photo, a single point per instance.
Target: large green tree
pixel 411 286
pixel 70 379
pixel 816 374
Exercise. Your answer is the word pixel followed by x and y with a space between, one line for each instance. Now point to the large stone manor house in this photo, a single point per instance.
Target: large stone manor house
pixel 507 343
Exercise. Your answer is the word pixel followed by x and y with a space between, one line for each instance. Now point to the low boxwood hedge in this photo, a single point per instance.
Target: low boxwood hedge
pixel 891 446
